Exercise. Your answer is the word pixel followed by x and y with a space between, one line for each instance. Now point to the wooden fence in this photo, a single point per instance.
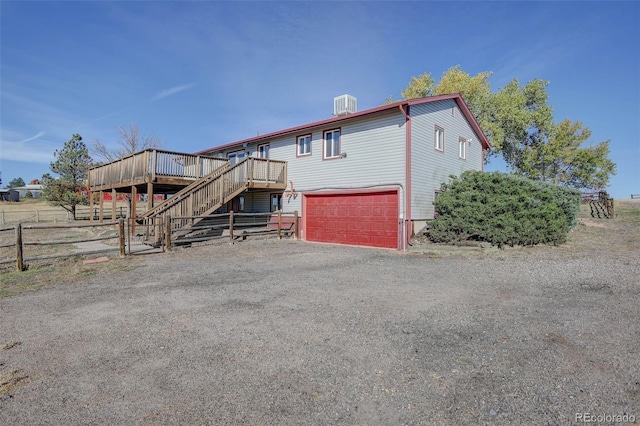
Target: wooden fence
pixel 231 226
pixel 61 215
pixel 60 246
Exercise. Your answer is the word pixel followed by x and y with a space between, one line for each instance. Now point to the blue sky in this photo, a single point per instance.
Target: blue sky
pixel 202 74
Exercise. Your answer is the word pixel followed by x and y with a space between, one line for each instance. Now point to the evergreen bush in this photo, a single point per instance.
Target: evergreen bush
pixel 503 209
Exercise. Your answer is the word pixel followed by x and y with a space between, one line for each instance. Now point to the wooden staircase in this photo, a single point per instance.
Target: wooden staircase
pixel 204 196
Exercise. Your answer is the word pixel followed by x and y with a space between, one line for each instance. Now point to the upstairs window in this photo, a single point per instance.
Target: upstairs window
pixel 332 144
pixel 235 157
pixel 263 151
pixel 304 145
pixel 438 139
pixel 462 148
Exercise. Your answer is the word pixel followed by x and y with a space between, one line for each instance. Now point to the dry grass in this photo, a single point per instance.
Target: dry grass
pixel 25 211
pixel 66 271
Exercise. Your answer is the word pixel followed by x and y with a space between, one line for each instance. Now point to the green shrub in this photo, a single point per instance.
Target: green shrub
pixel 503 209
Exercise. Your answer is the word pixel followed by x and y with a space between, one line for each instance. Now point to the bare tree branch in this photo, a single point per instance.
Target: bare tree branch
pixel 130 142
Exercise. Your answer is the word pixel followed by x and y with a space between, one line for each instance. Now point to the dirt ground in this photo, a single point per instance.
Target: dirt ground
pixel 288 332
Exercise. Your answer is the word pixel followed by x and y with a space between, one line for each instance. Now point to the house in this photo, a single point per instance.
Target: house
pixel 9 195
pixel 34 189
pixel 364 178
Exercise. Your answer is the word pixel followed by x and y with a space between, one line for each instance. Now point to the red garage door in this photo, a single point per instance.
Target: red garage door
pixel 364 219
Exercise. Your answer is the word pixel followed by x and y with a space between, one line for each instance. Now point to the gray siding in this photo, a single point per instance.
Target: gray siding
pixel 375 148
pixel 431 168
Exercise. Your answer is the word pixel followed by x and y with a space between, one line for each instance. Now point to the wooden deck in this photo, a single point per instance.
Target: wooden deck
pixel 199 185
pixel 169 171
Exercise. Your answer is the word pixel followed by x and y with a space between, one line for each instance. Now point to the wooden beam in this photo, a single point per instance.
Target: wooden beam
pixel 149 195
pixel 134 208
pixel 114 200
pixel 90 206
pixel 101 209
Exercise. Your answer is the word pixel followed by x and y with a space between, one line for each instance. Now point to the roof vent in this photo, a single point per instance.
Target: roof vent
pixel 345 104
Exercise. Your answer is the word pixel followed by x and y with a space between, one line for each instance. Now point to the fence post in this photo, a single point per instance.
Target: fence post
pixel 19 258
pixel 121 237
pixel 231 227
pixel 37 215
pixel 279 224
pixel 167 232
pixel 295 224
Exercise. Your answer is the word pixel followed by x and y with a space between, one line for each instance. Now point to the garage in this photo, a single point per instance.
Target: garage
pixel 363 218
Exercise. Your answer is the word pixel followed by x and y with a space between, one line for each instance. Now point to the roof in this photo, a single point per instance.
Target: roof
pixel 29 188
pixel 400 104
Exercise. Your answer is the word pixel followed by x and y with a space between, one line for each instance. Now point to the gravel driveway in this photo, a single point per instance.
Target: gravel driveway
pixel 286 332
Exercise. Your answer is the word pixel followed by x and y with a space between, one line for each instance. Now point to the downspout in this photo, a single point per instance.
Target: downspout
pixel 407 179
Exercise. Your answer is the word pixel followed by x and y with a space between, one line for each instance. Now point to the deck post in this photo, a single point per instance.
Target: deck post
pixel 114 200
pixel 19 258
pixel 295 224
pixel 154 164
pixel 121 236
pixel 167 232
pixel 268 175
pixel 134 207
pixel 279 224
pixel 90 206
pixel 101 207
pixel 231 227
pixel 149 196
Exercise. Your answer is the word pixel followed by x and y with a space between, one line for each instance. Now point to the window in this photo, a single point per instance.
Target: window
pixel 304 145
pixel 438 140
pixel 235 157
pixel 462 148
pixel 332 144
pixel 263 151
pixel 276 202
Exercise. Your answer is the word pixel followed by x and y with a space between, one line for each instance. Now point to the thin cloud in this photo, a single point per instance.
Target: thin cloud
pixel 16 151
pixel 171 91
pixel 34 137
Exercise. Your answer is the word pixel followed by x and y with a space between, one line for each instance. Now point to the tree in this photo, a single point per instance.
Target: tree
pixel 16 183
pixel 71 164
pixel 519 123
pixel 130 142
pixel 560 159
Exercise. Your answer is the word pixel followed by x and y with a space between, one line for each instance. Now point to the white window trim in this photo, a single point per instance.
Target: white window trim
pixel 436 146
pixel 258 154
pixel 235 153
pixel 462 148
pixel 324 147
pixel 298 145
pixel 271 205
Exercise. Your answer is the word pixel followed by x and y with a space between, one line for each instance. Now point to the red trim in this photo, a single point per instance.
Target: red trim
pixel 307 127
pixel 407 177
pixel 308 154
pixel 324 141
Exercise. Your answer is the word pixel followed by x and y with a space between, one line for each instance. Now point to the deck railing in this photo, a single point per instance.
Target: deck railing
pixel 146 166
pixel 208 194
